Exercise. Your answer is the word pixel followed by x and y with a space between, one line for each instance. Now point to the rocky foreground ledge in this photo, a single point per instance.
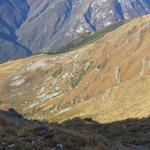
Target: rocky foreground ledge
pixel 18 133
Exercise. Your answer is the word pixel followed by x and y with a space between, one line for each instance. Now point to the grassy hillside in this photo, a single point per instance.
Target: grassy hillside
pixel 107 80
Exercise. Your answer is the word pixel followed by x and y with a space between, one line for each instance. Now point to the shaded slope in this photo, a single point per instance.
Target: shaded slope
pixel 35 32
pixel 20 133
pixel 12 50
pixel 76 134
pixel 12 14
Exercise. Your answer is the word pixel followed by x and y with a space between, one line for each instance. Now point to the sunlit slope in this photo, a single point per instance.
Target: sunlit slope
pixel 107 80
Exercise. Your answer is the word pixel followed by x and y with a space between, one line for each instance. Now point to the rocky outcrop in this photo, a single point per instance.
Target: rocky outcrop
pixel 75 134
pixel 17 132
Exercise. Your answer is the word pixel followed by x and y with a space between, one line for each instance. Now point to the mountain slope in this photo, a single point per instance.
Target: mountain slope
pixel 52 24
pixel 107 80
pixel 12 50
pixel 12 14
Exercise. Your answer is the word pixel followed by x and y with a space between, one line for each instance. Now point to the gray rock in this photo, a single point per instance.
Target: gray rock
pixel 58 147
pixel 46 132
pixel 38 140
pixel 3 145
pixel 135 147
pixel 10 147
pixel 1 128
pixel 14 113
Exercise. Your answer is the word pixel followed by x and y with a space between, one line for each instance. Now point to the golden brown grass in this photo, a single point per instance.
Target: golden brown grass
pixel 114 88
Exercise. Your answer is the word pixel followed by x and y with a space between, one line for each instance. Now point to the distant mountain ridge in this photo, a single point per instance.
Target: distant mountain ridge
pixel 47 25
pixel 52 24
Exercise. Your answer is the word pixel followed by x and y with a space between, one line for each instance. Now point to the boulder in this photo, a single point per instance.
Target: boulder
pixel 58 147
pixel 45 132
pixel 12 112
pixel 10 147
